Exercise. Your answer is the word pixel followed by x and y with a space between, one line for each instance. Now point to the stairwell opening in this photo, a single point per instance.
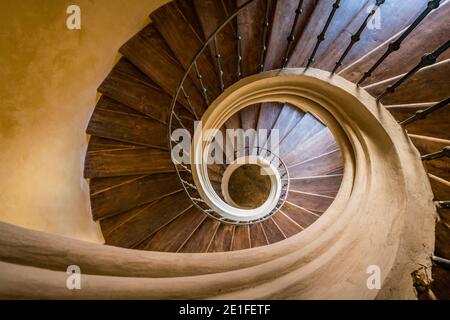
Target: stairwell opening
pixel 248 187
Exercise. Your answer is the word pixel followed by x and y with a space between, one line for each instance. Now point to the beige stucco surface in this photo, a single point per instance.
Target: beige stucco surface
pixel 49 76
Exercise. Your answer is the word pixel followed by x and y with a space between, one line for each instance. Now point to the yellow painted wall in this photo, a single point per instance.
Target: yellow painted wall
pixel 48 81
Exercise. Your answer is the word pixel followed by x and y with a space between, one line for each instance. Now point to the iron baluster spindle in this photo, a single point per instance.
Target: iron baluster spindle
pixel 188 99
pixel 219 64
pixel 239 54
pixel 427 60
pixel 357 36
pixel 443 204
pixel 436 155
pixel 321 36
pixel 291 37
pixel 424 113
pixel 200 79
pixel 395 45
pixel 264 36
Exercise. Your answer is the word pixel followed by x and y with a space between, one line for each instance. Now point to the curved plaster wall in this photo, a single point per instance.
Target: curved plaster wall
pixel 48 90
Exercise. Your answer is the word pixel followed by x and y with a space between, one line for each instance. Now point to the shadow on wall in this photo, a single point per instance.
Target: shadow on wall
pixel 50 77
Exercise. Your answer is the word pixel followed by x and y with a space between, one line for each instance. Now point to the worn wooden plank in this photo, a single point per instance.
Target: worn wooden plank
pixel 324 185
pixel 97 185
pixel 283 21
pixel 223 239
pixel 273 233
pixel 288 226
pixel 127 127
pixel 440 187
pixel 322 165
pixel 429 34
pixel 173 236
pixel 257 236
pixel 268 115
pixel 344 15
pixel 148 51
pixel 128 196
pixel 148 221
pixel 289 117
pixel 435 125
pixel 321 143
pixel 307 127
pixel 413 90
pixel 249 119
pixel 303 217
pixel 249 24
pixel 201 239
pixel 187 8
pixel 109 224
pixel 184 42
pixel 426 145
pixel 127 162
pixel 211 15
pixel 102 144
pixel 128 85
pixel 241 239
pixel 310 201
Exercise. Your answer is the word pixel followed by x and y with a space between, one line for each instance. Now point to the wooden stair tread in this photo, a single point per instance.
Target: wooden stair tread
pixel 127 162
pixel 435 125
pixel 130 86
pixel 103 144
pixel 257 236
pixel 310 201
pixel 324 185
pixel 303 217
pixel 249 24
pixel 412 91
pixel 151 219
pixel 98 185
pixel 307 127
pixel 211 15
pixel 187 8
pixel 241 239
pixel 249 119
pixel 200 240
pixel 289 117
pixel 288 226
pixel 173 236
pixel 272 231
pixel 268 115
pixel 425 38
pixel 285 12
pixel 440 187
pixel 148 51
pixel 438 167
pixel 305 45
pixel 322 165
pixel 136 193
pixel 185 42
pixel 223 239
pixel 320 143
pixel 127 127
pixel 347 20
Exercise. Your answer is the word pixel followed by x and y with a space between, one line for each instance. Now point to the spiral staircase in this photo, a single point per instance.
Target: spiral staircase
pixel 333 92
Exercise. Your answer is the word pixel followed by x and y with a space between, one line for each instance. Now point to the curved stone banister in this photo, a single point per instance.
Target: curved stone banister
pixel 373 221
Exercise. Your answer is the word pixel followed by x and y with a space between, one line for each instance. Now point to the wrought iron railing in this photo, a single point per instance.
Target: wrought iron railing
pixel 395 45
pixel 175 120
pixel 184 170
